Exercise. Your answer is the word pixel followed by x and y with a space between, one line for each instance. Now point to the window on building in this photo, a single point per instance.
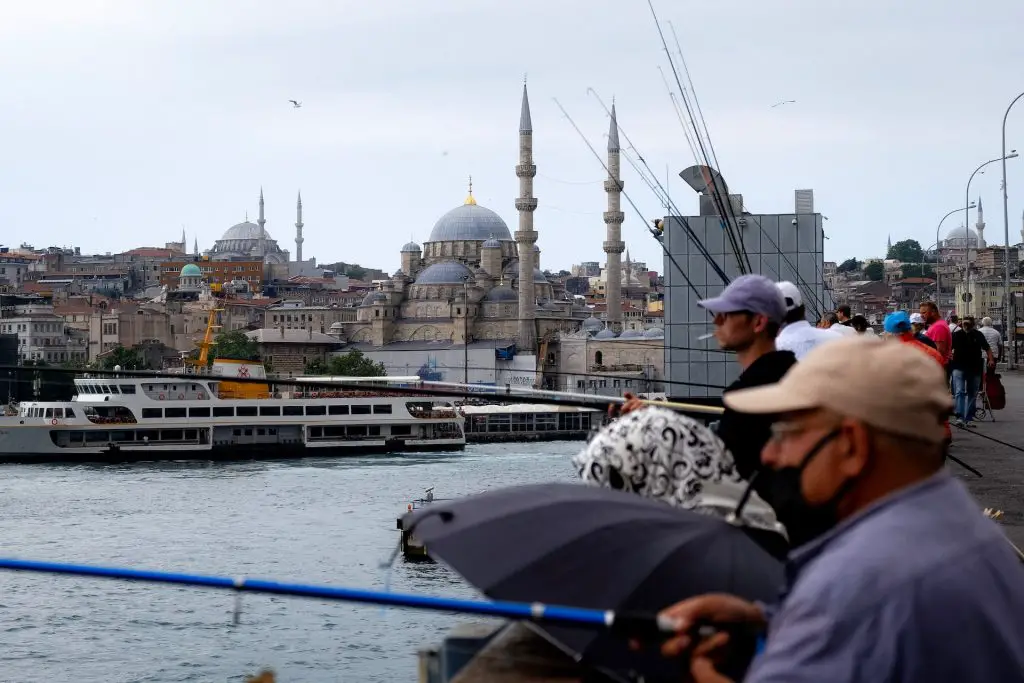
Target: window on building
pixel 598 358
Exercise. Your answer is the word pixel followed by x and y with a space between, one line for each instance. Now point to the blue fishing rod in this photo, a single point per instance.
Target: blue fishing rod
pixel 635 624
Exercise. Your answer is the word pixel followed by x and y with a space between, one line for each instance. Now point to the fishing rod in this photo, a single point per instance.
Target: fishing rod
pixel 643 219
pixel 537 612
pixel 574 400
pixel 513 392
pixel 722 204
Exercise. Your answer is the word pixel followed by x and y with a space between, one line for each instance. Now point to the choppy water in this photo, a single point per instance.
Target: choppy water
pixel 315 520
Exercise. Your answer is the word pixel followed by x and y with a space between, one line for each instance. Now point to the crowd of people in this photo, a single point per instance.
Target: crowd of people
pixel 893 573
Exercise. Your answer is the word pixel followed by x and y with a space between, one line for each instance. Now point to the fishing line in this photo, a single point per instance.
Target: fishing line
pixel 989 438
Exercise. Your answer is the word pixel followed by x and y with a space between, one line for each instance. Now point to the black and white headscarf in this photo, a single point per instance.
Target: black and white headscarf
pixel 659 453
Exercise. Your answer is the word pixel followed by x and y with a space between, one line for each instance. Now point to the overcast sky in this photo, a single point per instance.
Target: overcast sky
pixel 122 120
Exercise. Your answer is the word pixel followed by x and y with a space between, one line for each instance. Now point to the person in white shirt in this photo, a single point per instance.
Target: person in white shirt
pixel 992 336
pixel 797 335
pixel 831 322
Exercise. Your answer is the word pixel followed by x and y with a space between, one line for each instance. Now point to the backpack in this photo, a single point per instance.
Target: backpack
pixel 995 391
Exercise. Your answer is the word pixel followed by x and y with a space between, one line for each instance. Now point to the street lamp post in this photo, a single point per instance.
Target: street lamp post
pixel 938 245
pixel 1009 326
pixel 967 227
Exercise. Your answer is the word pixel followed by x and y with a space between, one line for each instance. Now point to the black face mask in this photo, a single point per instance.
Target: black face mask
pixel 805 521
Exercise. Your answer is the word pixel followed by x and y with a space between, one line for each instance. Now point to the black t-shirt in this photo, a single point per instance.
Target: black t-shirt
pixel 925 339
pixel 745 435
pixel 968 348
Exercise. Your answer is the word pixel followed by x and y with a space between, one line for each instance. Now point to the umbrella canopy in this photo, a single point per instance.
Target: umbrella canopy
pixel 572 544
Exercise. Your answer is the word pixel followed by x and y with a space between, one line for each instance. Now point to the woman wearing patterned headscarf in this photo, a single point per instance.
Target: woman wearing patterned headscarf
pixel 658 453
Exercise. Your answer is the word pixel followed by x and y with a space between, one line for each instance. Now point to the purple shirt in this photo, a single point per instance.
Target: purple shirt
pixel 919 586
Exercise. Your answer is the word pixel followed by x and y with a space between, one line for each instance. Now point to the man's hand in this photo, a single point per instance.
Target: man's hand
pixel 632 404
pixel 719 608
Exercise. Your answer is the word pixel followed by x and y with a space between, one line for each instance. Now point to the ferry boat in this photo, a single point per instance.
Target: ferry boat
pixel 209 416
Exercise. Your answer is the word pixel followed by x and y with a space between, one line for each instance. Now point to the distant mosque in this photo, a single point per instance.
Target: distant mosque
pixel 251 241
pixel 473 279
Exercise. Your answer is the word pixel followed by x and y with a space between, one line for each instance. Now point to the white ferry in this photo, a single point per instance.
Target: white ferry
pixel 209 416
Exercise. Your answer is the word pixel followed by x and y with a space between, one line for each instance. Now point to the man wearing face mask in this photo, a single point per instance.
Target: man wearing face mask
pixel 904 579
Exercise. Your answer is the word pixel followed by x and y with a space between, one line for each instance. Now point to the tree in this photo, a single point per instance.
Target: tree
pixel 235 345
pixel 907 251
pixel 354 364
pixel 874 271
pixel 918 270
pixel 316 367
pixel 849 265
pixel 128 359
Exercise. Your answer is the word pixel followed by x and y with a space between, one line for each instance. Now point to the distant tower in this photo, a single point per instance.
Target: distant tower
pixel 184 244
pixel 195 247
pixel 888 246
pixel 613 217
pixel 262 222
pixel 1022 228
pixel 298 229
pixel 526 236
pixel 980 226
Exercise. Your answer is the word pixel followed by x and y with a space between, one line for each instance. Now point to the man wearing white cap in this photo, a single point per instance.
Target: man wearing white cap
pixel 906 580
pixel 797 335
pixel 918 325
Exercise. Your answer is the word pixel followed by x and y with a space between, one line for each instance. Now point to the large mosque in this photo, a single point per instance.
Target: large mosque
pixel 473 279
pixel 251 241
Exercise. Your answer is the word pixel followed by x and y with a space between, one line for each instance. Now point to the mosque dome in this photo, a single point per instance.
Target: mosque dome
pixel 379 298
pixel 469 222
pixel 191 270
pixel 491 243
pixel 654 333
pixel 444 273
pixel 958 234
pixel 592 325
pixel 605 334
pixel 244 231
pixel 503 294
pixel 536 249
pixel 373 297
pixel 411 248
pixel 631 334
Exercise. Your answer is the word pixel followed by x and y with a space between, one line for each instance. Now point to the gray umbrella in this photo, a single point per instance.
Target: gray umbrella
pixel 585 546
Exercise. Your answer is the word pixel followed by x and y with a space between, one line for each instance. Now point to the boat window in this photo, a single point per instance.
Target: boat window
pixel 245 411
pixel 174 412
pixel 337 410
pixel 401 430
pixel 191 434
pixel 260 431
pixel 113 389
pixel 122 436
pixel 357 430
pixel 374 430
pixel 382 410
pixel 272 431
pixel 127 388
pixel 97 437
pixel 171 434
pixel 292 410
pixel 236 432
pixel 68 412
pixel 360 410
pixel 270 410
pixel 49 412
pixel 223 411
pixel 75 437
pixel 316 432
pixel 199 412
pixel 248 432
pixel 152 413
pixel 147 435
pixel 316 410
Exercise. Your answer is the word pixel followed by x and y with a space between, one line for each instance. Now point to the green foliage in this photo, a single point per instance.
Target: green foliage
pixel 235 345
pixel 907 251
pixel 918 270
pixel 849 265
pixel 874 271
pixel 128 359
pixel 354 364
pixel 316 367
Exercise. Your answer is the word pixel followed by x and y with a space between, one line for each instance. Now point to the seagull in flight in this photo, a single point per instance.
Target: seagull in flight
pixel 296 104
pixel 779 104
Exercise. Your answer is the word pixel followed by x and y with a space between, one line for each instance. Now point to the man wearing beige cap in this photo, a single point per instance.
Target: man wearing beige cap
pixel 905 579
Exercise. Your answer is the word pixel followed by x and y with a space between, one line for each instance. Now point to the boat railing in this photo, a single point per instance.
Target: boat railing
pixel 101 420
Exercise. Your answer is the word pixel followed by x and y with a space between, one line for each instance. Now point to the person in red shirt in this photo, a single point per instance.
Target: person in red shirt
pixel 938 330
pixel 899 326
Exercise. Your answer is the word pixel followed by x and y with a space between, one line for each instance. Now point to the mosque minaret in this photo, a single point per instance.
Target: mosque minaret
pixel 613 217
pixel 298 229
pixel 526 236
